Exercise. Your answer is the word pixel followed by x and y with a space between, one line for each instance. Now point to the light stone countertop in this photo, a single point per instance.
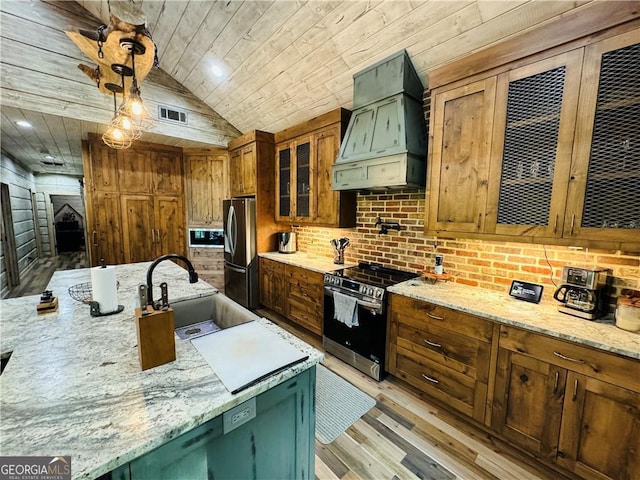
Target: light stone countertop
pixel 73 385
pixel 305 260
pixel 542 317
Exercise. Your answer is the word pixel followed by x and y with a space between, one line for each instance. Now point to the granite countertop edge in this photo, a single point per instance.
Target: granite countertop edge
pixel 311 262
pixel 542 318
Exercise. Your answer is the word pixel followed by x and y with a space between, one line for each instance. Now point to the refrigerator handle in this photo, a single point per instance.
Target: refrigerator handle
pixel 235 269
pixel 227 232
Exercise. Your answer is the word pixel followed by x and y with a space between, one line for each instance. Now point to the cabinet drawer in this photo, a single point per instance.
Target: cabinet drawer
pixel 607 367
pixel 272 266
pixel 304 275
pixel 304 292
pixel 466 355
pixel 461 392
pixel 405 308
pixel 305 314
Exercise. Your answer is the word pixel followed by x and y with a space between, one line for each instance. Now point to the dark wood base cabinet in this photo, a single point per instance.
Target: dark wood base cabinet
pixel 574 408
pixel 293 292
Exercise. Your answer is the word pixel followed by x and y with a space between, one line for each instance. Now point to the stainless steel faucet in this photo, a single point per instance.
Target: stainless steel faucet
pixel 193 275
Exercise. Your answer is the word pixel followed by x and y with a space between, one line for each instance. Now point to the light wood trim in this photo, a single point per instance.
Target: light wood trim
pixel 580 22
pixel 493 367
pixel 316 123
pixel 250 137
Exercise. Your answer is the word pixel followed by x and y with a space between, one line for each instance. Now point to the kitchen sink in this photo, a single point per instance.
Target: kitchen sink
pixel 203 315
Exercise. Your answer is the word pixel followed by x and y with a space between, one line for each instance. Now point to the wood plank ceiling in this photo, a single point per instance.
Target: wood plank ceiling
pixel 282 62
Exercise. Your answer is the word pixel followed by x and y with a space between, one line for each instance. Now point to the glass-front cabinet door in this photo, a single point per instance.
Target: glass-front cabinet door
pixel 532 145
pixel 283 182
pixel 604 191
pixel 303 180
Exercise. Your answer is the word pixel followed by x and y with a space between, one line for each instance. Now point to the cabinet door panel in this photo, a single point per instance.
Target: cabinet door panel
pixel 169 225
pixel 104 174
pixel 284 181
pixel 600 434
pixel 200 186
pixel 167 172
pixel 304 177
pixel 138 234
pixel 459 170
pixel 235 173
pixel 604 197
pixel 134 170
pixel 327 145
pixel 532 144
pixel 528 402
pixel 249 170
pixel 106 238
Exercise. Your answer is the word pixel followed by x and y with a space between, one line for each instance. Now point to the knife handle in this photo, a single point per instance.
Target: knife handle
pixel 142 296
pixel 165 294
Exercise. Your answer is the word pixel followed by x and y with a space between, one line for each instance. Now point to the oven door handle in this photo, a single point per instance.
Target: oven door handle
pixel 362 303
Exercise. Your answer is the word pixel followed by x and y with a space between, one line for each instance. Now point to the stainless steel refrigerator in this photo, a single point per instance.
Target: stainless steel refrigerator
pixel 240 259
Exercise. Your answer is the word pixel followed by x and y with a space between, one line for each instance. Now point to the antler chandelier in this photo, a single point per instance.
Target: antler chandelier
pixel 124 53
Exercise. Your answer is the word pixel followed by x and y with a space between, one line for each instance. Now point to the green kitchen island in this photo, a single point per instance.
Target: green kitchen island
pixel 73 386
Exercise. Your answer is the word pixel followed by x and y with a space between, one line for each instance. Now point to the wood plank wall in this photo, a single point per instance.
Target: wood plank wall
pixel 21 184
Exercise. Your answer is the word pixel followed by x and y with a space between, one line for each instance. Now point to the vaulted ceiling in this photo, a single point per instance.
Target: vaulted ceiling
pixel 282 62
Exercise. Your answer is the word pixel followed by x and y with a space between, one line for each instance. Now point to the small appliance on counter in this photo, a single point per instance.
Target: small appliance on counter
pixel 628 310
pixel 583 292
pixel 339 244
pixel 286 242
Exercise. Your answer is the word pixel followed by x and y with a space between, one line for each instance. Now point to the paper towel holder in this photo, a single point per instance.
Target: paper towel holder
pixel 94 309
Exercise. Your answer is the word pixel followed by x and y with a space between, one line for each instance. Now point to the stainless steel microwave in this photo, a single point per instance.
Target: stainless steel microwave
pixel 206 238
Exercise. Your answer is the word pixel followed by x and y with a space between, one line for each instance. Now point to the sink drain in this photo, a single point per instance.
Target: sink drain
pixel 197 330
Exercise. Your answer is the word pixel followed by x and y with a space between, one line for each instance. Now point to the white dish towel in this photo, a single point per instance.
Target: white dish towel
pixel 345 309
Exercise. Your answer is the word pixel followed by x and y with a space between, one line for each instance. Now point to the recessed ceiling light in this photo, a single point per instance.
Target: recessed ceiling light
pixel 49 156
pixel 24 123
pixel 217 71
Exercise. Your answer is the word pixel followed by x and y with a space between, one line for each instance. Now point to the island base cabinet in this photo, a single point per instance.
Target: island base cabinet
pixel 277 443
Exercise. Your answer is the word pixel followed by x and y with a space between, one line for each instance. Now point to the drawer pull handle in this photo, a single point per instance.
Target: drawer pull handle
pixel 435 317
pixel 564 357
pixel 433 344
pixel 575 390
pixel 555 382
pixel 432 380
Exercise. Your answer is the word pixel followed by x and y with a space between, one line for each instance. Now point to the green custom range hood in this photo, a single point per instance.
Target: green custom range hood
pixel 385 144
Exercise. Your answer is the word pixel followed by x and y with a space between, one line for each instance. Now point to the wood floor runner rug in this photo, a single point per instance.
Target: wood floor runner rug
pixel 338 405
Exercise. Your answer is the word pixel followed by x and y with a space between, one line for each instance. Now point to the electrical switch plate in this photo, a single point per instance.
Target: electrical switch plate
pixel 238 415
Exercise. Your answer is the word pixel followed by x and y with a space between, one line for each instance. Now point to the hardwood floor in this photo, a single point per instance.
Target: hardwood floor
pixel 36 279
pixel 406 437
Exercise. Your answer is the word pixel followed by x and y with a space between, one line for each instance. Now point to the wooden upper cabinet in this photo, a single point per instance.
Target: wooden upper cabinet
pixel 206 185
pixel 604 191
pixel 242 171
pixel 295 178
pixel 459 168
pixel 167 174
pixel 532 144
pixel 304 157
pixel 134 170
pixel 544 149
pixel 100 167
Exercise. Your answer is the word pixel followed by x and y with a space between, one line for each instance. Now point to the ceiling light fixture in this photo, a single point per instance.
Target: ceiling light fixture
pixel 217 71
pixel 24 123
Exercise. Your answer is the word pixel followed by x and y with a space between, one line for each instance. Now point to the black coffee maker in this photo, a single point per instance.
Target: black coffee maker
pixel 583 292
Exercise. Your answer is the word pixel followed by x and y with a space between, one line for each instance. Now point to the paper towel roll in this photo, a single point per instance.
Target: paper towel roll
pixel 104 288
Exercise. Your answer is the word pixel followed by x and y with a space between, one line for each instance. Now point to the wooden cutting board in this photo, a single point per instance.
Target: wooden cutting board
pixel 245 354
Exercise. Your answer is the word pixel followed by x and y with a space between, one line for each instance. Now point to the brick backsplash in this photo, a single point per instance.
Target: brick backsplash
pixel 479 263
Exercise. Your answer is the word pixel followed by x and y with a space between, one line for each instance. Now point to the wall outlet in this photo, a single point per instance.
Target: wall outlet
pixel 238 415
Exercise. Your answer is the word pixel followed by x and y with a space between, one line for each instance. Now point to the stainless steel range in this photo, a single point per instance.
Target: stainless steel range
pixel 355 315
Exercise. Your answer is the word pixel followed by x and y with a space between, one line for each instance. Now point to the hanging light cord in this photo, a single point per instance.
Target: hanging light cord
pixel 544 247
